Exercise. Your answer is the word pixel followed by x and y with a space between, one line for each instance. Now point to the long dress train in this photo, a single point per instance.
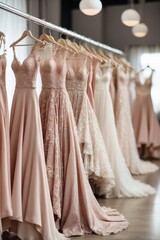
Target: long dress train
pixel 5 185
pixel 126 185
pixel 125 130
pixel 32 210
pixel 74 205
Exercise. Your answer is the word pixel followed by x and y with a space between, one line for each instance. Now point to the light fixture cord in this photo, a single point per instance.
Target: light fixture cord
pixel 142 9
pixel 132 3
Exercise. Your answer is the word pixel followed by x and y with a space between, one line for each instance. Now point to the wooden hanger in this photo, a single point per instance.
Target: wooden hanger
pixel 49 39
pixel 108 57
pixel 67 43
pixel 26 33
pixel 93 51
pixel 92 55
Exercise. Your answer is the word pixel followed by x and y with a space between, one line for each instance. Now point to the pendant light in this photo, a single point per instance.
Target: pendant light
pixel 130 17
pixel 90 7
pixel 140 30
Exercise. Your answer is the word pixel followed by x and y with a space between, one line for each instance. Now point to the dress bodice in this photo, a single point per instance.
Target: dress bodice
pixel 143 89
pixel 77 79
pixel 53 73
pixel 123 78
pixel 2 69
pixel 103 77
pixel 26 72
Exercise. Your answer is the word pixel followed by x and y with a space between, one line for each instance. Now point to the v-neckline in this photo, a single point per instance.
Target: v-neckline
pixel 146 80
pixel 22 63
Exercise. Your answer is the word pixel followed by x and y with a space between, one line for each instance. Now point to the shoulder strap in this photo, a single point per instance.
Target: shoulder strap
pixel 14 51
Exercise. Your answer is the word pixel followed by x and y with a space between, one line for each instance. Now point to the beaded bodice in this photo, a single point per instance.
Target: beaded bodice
pixel 26 72
pixel 53 73
pixel 77 77
pixel 103 77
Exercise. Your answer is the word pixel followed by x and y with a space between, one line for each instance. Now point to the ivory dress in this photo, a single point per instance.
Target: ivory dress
pixel 5 185
pixel 32 210
pixel 145 123
pixel 94 154
pixel 125 130
pixel 126 185
pixel 74 205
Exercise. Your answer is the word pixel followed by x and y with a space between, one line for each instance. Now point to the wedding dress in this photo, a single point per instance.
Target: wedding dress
pixel 126 185
pixel 94 154
pixel 74 205
pixel 145 124
pixel 125 130
pixel 32 210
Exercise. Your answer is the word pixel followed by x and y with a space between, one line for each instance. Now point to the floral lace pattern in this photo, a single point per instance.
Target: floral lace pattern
pixel 53 105
pixel 94 154
pixel 74 205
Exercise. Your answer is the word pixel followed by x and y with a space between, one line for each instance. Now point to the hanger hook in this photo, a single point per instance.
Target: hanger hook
pixel 60 35
pixel 74 39
pixel 50 33
pixel 80 42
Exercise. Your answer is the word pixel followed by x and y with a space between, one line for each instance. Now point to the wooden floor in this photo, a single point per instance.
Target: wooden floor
pixel 143 214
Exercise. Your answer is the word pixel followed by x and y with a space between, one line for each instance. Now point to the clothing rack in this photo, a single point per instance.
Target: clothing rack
pixel 58 28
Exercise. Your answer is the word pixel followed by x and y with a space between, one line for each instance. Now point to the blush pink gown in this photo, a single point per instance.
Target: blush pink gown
pixel 94 154
pixel 125 129
pixel 145 123
pixel 5 185
pixel 74 205
pixel 32 210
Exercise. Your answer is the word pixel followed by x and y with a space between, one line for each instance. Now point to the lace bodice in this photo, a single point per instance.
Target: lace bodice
pixel 143 89
pixel 103 77
pixel 2 69
pixel 26 72
pixel 123 78
pixel 53 72
pixel 77 79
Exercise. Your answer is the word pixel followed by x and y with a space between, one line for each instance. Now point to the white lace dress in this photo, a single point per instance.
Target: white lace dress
pixel 94 154
pixel 126 185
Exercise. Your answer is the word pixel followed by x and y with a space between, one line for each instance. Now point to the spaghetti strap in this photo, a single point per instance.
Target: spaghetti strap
pixel 14 51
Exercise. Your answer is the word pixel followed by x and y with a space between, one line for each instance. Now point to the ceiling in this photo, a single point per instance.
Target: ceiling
pixel 75 3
